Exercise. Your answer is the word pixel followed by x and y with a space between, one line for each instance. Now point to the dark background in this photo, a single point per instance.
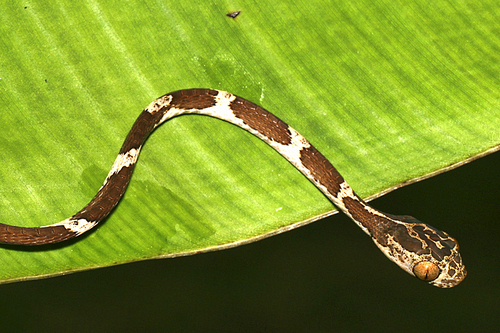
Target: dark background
pixel 324 277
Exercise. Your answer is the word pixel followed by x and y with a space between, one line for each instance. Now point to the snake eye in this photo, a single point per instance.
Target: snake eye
pixel 426 271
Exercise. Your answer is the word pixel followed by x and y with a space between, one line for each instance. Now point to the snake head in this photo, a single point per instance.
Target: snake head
pixel 424 251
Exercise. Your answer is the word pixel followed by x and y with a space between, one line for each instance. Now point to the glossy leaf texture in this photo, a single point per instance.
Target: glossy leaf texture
pixel 389 91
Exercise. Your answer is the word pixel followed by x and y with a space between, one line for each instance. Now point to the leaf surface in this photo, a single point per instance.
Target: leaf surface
pixel 389 91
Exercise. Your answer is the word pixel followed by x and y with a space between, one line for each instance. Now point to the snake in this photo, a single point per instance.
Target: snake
pixel 418 248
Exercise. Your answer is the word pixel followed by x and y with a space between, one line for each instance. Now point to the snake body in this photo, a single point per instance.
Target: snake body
pixel 418 248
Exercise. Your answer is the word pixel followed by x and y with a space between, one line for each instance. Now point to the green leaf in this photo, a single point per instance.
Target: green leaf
pixel 389 91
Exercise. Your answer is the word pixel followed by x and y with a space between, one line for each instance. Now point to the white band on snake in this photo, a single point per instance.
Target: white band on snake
pixel 419 249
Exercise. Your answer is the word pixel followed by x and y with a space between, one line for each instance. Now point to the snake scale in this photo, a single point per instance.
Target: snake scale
pixel 418 248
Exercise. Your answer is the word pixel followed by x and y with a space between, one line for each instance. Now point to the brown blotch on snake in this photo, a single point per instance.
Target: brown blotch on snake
pixel 261 120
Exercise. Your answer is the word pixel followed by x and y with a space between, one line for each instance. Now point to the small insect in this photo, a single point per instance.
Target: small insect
pixel 234 14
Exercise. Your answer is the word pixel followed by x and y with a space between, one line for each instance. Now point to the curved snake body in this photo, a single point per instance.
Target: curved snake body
pixel 421 250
